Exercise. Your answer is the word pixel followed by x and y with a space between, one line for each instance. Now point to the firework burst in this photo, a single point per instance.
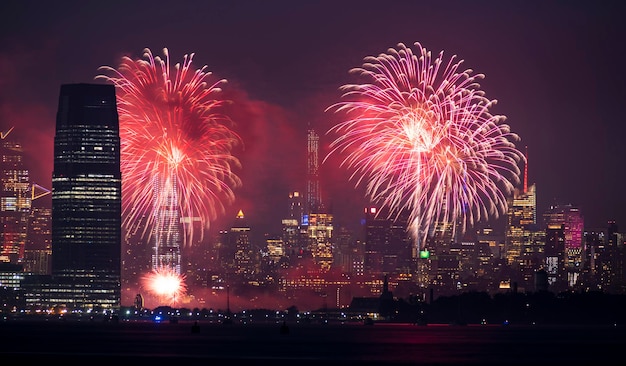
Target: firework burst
pixel 420 137
pixel 176 149
pixel 166 284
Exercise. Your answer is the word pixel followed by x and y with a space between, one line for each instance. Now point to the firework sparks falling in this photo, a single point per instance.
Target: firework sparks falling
pixel 172 137
pixel 166 284
pixel 420 136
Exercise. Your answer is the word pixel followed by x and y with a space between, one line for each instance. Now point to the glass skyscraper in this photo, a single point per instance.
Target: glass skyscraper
pixel 86 198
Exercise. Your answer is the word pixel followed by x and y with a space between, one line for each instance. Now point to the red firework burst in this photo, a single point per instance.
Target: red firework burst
pixel 176 148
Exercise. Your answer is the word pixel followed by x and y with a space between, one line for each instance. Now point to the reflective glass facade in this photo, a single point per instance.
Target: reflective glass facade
pixel 86 196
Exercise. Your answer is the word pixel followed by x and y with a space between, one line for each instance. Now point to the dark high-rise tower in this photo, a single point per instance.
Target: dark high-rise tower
pixel 86 197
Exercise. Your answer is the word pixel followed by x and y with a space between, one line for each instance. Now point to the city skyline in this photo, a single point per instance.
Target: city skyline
pixel 281 84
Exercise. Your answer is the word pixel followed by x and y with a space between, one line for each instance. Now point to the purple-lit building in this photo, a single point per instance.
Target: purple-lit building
pixel 572 222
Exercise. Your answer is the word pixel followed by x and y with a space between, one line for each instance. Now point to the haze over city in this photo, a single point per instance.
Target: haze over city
pixel 553 67
pixel 79 282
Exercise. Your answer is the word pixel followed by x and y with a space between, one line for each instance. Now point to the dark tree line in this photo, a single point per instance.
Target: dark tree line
pixel 512 308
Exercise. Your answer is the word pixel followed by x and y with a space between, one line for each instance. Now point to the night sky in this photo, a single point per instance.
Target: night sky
pixel 555 68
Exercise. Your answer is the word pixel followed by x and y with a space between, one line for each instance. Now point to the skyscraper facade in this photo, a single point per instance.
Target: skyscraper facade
pixel 320 234
pixel 86 198
pixel 313 195
pixel 521 221
pixel 291 226
pixel 555 257
pixel 167 226
pixel 38 252
pixel 525 241
pixel 572 221
pixel 244 254
pixel 613 260
pixel 15 199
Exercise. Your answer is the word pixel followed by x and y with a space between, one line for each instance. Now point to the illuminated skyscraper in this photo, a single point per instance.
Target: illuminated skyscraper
pixel 243 260
pixel 320 234
pixel 296 207
pixel 571 220
pixel 612 260
pixel 15 199
pixel 555 257
pixel 313 195
pixel 595 267
pixel 38 252
pixel 316 221
pixel 167 227
pixel 86 198
pixel 524 239
pixel 291 225
pixel 521 220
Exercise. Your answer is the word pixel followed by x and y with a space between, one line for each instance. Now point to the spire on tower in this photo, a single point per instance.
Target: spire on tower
pixel 526 170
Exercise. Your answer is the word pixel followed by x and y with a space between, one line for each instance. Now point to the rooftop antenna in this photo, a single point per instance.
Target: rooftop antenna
pixel 227 319
pixel 228 300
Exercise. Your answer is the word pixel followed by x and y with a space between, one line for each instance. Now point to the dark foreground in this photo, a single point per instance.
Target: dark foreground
pixel 309 344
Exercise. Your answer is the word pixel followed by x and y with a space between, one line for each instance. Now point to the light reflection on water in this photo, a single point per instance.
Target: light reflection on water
pixel 313 343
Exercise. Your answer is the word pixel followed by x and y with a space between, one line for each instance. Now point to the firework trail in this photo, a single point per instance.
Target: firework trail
pixel 419 135
pixel 176 149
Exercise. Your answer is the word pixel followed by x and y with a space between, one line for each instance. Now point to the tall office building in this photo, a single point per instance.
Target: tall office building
pixel 291 226
pixel 313 195
pixel 524 239
pixel 571 219
pixel 594 267
pixel 38 250
pixel 296 207
pixel 86 199
pixel 521 220
pixel 613 260
pixel 167 226
pixel 15 199
pixel 387 246
pixel 320 234
pixel 377 242
pixel 244 255
pixel 555 257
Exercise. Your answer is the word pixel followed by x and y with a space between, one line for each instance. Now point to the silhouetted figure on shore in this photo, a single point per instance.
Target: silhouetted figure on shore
pixel 284 329
pixel 195 328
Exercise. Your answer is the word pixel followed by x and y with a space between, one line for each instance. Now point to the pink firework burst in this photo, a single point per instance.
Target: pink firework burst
pixel 164 283
pixel 419 135
pixel 176 148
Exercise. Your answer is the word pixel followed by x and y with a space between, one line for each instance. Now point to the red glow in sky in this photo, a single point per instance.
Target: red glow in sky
pixel 176 145
pixel 553 67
